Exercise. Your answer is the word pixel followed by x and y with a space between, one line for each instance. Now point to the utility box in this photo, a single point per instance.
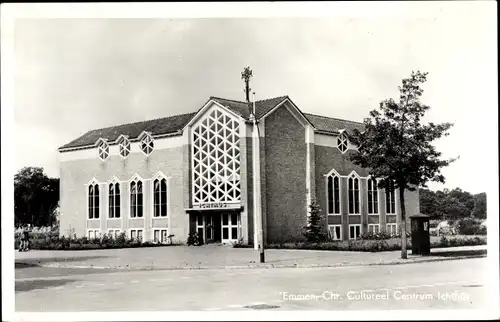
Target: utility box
pixel 420 235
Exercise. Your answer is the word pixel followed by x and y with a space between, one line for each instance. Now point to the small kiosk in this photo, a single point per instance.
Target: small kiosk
pixel 420 236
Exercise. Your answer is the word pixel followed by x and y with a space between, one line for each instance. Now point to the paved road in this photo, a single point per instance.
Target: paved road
pixel 456 284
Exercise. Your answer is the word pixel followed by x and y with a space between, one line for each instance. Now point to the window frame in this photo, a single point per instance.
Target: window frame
pixel 160 178
pixel 333 175
pixel 160 233
pixel 115 232
pixel 136 180
pixel 342 140
pixel 335 226
pixel 374 190
pixel 115 183
pixel 95 197
pixel 392 225
pixel 124 145
pixel 216 140
pixel 354 176
pixel 360 231
pixel 388 193
pixel 373 225
pixel 96 231
pixel 103 147
pixel 147 141
pixel 137 230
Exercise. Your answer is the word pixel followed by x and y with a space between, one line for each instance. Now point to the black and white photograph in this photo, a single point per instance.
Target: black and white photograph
pixel 250 161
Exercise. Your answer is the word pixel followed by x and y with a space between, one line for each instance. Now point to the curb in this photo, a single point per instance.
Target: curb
pixel 257 266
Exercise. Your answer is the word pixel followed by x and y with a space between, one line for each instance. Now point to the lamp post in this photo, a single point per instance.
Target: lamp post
pixel 256 182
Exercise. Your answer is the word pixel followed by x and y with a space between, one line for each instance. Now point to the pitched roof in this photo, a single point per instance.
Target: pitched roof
pixel 173 124
pixel 332 125
pixel 165 125
pixel 243 108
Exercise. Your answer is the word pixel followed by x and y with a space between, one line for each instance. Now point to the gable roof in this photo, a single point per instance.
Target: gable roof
pixel 165 125
pixel 175 124
pixel 243 108
pixel 332 125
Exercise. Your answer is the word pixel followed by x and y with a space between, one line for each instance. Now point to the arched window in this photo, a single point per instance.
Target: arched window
pixel 333 194
pixel 93 197
pixel 160 197
pixel 372 196
pixel 114 200
pixel 124 147
pixel 353 193
pixel 103 150
pixel 342 142
pixel 390 200
pixel 136 199
pixel 147 144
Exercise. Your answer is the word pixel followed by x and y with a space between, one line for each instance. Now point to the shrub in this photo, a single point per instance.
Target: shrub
pixel 443 241
pixel 315 230
pixel 375 236
pixel 52 242
pixel 371 245
pixel 470 226
pixel 194 239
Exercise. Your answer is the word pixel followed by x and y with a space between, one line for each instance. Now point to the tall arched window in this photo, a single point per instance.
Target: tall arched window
pixel 353 192
pixel 372 196
pixel 160 197
pixel 136 199
pixel 114 200
pixel 93 195
pixel 333 194
pixel 390 200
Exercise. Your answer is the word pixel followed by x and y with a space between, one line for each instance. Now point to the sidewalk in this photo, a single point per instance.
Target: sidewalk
pixel 224 257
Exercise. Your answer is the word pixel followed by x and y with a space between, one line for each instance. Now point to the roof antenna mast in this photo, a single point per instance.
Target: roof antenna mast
pixel 246 75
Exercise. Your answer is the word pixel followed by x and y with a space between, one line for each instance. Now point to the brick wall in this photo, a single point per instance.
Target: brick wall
pixel 328 158
pixel 285 155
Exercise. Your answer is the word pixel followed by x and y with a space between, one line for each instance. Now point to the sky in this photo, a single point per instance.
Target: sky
pixel 74 75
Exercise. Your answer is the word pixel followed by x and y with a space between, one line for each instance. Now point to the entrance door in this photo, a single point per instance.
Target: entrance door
pixel 200 226
pixel 230 227
pixel 209 221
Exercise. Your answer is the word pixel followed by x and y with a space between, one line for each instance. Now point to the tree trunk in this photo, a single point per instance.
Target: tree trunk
pixel 404 253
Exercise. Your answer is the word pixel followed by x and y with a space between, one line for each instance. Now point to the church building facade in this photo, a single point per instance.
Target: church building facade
pixel 193 172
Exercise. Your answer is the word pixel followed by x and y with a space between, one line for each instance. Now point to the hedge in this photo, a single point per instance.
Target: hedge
pixel 50 242
pixel 470 226
pixel 363 245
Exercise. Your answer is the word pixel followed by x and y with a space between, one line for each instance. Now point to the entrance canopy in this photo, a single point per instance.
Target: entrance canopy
pixel 215 207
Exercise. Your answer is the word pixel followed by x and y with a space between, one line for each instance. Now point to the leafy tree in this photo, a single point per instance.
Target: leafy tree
pixel 315 230
pixel 454 209
pixel 465 198
pixel 36 196
pixel 428 202
pixel 452 204
pixel 396 147
pixel 480 205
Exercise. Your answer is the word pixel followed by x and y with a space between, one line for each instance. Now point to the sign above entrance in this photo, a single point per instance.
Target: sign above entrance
pixel 217 205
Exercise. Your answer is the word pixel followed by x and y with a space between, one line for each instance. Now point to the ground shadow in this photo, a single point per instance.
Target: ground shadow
pixel 25 265
pixel 459 253
pixel 26 286
pixel 34 262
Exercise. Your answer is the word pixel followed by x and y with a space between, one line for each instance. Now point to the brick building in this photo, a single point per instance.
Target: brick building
pixel 193 172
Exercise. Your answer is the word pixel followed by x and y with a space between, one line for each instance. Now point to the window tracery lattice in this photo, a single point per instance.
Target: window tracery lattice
pixel 216 159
